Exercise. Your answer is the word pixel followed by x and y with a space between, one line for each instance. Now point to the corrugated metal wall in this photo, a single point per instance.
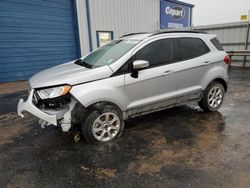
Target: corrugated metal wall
pixel 35 35
pixel 123 16
pixel 82 26
pixel 232 36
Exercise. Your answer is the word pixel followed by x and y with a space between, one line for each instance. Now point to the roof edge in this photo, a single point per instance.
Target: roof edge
pixel 222 25
pixel 181 3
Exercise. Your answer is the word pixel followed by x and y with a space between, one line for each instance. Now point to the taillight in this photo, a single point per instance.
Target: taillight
pixel 227 59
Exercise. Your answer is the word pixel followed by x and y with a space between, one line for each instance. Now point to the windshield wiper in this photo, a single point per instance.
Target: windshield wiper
pixel 82 63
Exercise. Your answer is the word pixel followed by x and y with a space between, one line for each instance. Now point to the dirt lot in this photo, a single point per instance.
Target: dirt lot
pixel 179 147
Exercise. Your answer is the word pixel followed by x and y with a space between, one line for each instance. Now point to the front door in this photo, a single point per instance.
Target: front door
pixel 156 86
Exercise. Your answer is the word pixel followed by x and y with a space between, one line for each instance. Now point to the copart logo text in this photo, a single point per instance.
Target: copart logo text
pixel 176 12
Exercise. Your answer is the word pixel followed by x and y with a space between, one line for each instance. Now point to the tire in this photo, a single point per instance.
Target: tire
pixel 212 97
pixel 103 124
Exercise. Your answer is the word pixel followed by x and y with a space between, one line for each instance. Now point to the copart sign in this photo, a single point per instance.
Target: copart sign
pixel 175 14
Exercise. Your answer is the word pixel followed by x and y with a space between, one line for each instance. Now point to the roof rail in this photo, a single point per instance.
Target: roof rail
pixel 179 31
pixel 129 34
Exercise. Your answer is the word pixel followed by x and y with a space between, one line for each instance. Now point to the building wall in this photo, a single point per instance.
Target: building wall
pixel 35 35
pixel 82 26
pixel 119 16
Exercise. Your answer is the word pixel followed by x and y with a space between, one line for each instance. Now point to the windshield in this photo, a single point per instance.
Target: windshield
pixel 108 53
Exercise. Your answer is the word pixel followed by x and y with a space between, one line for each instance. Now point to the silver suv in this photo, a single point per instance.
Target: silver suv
pixel 131 76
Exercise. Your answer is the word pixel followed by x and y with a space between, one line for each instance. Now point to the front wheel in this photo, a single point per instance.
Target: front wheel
pixel 212 97
pixel 103 125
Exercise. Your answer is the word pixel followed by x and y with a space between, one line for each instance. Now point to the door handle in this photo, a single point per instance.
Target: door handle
pixel 168 72
pixel 206 62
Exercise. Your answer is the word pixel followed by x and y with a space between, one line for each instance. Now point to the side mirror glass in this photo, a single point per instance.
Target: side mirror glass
pixel 139 65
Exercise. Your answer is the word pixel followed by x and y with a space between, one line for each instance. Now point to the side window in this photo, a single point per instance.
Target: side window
pixel 192 47
pixel 157 53
pixel 217 44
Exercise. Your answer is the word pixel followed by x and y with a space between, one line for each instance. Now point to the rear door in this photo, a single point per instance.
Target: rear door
pixel 193 65
pixel 156 86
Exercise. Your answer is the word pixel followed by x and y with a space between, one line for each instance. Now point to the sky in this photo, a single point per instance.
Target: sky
pixel 207 12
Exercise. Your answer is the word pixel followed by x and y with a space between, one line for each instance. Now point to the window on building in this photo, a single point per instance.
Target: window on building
pixel 103 37
pixel 192 47
pixel 157 53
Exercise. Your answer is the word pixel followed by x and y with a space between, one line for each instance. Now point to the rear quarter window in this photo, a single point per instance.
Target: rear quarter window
pixel 217 44
pixel 192 47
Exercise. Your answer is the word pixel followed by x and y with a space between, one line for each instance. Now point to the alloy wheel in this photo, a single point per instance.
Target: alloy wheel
pixel 106 126
pixel 215 97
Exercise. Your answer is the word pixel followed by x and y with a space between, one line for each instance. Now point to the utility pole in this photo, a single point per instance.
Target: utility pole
pixel 247 36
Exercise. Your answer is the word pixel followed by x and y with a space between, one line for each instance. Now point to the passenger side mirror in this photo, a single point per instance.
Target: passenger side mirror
pixel 139 65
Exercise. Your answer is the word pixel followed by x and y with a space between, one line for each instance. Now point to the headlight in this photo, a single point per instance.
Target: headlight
pixel 54 92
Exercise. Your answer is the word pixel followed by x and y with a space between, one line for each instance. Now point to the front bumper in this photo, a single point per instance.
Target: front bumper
pixel 31 108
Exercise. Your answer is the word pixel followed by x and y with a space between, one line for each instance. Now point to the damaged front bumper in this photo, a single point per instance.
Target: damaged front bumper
pixel 55 117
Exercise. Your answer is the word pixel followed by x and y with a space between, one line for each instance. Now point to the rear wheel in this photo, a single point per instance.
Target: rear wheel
pixel 212 97
pixel 103 124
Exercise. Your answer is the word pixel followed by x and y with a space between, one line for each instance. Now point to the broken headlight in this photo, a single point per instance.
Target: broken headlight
pixel 53 92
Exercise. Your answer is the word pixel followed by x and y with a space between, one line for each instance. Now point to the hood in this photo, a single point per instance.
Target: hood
pixel 68 73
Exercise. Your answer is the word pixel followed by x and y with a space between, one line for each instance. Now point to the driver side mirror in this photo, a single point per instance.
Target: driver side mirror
pixel 139 65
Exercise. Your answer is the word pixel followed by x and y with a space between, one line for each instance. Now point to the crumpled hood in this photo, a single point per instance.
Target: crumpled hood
pixel 68 73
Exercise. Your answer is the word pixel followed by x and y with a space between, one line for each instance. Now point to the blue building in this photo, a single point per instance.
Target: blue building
pixel 38 34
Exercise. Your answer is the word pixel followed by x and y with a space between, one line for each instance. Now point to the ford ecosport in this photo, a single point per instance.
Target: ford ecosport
pixel 131 76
